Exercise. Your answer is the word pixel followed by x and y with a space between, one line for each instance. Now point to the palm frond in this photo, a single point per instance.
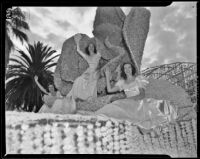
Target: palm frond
pixel 50 65
pixel 18 62
pixel 50 60
pixel 15 69
pixel 17 74
pixel 44 52
pixel 23 60
pixel 25 56
pixel 20 34
pixel 49 54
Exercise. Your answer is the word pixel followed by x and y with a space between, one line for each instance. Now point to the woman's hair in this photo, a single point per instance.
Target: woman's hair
pixel 52 85
pixel 87 49
pixel 95 52
pixel 123 74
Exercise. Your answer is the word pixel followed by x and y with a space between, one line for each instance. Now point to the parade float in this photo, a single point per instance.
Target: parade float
pixel 86 133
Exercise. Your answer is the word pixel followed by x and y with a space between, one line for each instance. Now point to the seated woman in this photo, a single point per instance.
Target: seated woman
pixel 144 112
pixel 85 86
pixel 49 97
pixel 55 102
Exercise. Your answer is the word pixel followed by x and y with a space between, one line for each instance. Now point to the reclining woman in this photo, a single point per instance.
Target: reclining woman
pixel 49 97
pixel 54 102
pixel 143 112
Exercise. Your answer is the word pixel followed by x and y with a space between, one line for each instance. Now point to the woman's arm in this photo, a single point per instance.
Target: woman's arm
pixel 139 96
pixel 59 96
pixel 77 39
pixel 39 85
pixel 113 47
pixel 116 59
pixel 109 89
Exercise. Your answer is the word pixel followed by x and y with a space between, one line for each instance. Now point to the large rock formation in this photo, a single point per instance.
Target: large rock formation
pixel 135 30
pixel 112 15
pixel 121 31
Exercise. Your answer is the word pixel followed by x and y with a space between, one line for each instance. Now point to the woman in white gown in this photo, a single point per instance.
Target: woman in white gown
pixel 85 86
pixel 49 97
pixel 54 102
pixel 144 112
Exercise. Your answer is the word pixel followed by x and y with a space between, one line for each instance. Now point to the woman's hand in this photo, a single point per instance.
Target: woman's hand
pixel 136 98
pixel 107 42
pixel 77 38
pixel 107 72
pixel 36 78
pixel 139 96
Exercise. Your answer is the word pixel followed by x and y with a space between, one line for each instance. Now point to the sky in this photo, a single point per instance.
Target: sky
pixel 171 38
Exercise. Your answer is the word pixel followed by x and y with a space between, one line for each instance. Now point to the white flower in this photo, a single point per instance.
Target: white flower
pixel 116 137
pixel 37 141
pixel 48 141
pixel 108 123
pixel 47 135
pixel 90 139
pixel 97 132
pixel 47 127
pixel 90 126
pixel 103 129
pixel 66 125
pixel 80 133
pixel 98 124
pixel 98 143
pixel 90 133
pixel 80 138
pixel 55 124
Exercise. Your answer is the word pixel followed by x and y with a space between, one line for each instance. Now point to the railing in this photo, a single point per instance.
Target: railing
pixel 183 74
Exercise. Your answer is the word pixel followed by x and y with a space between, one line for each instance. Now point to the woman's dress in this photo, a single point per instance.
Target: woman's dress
pixel 146 113
pixel 64 105
pixel 48 102
pixel 85 86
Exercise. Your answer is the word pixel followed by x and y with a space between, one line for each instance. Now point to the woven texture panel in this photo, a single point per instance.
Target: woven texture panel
pixel 30 133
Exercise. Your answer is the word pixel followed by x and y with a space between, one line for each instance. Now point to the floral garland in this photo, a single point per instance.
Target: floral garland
pixel 31 133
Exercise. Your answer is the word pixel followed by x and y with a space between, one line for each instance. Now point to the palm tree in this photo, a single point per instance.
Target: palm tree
pixel 15 26
pixel 21 89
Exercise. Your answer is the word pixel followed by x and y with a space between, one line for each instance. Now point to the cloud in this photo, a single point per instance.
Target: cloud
pixel 62 21
pixel 171 37
pixel 126 10
pixel 173 31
